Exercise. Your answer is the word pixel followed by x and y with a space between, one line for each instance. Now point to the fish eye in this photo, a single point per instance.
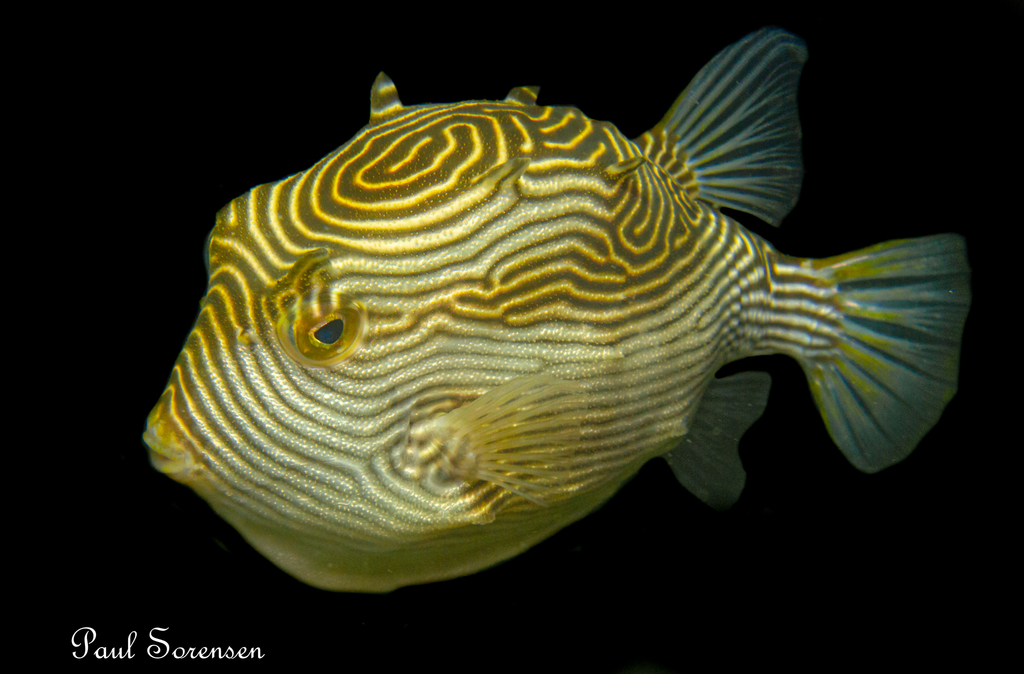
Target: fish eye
pixel 322 330
pixel 330 332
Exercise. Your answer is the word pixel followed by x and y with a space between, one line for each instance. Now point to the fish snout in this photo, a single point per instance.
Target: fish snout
pixel 170 450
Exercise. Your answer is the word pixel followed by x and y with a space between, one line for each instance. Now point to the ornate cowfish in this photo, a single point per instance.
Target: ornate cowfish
pixel 468 326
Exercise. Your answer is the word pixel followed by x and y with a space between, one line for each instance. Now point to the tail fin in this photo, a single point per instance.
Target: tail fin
pixel 883 355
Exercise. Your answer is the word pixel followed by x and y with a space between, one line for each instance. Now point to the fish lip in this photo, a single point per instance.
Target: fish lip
pixel 166 456
pixel 161 453
pixel 169 451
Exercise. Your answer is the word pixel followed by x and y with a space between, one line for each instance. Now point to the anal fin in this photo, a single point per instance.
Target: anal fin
pixel 707 461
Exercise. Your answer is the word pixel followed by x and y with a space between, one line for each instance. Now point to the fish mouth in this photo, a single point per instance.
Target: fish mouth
pixel 170 450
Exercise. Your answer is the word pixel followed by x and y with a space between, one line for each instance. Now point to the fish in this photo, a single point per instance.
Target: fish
pixel 471 324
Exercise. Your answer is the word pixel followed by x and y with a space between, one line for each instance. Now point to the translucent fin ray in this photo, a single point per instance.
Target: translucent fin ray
pixel 903 306
pixel 707 461
pixel 522 436
pixel 733 135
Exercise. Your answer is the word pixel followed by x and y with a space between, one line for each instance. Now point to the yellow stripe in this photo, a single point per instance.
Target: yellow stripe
pixel 620 282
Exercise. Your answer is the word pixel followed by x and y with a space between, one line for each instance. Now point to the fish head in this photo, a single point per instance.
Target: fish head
pixel 294 369
pixel 363 387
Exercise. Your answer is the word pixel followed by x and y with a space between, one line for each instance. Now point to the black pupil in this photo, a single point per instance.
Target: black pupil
pixel 330 332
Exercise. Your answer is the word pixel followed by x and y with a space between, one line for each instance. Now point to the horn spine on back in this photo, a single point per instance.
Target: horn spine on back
pixel 384 100
pixel 523 95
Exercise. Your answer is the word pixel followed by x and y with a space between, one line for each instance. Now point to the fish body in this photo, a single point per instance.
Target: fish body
pixel 469 325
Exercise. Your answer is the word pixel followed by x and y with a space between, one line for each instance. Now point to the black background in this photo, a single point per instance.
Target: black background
pixel 907 122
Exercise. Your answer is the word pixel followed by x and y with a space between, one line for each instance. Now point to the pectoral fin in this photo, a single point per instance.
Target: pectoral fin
pixel 523 436
pixel 707 461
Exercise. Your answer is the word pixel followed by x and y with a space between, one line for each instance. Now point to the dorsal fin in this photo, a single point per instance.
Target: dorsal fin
pixel 383 98
pixel 732 138
pixel 523 95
